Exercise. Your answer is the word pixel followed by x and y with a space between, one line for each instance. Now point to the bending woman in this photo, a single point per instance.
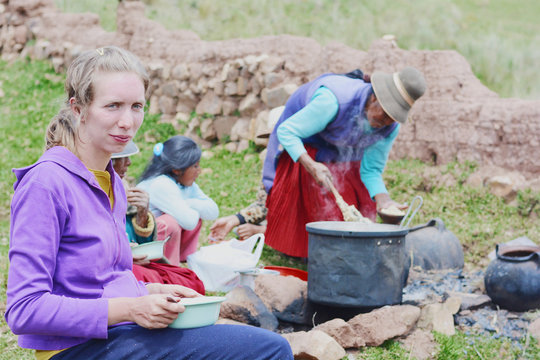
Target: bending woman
pixel 175 199
pixel 71 293
pixel 338 128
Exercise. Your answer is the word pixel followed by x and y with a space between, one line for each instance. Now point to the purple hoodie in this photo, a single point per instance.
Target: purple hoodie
pixel 68 253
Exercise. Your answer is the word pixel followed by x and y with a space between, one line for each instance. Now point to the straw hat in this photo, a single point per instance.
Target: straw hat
pixel 397 92
pixel 130 149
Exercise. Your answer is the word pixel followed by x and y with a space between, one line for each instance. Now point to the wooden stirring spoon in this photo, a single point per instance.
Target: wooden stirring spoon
pixel 350 212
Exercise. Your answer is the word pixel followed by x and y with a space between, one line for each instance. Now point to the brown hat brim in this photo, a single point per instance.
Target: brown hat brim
pixel 389 97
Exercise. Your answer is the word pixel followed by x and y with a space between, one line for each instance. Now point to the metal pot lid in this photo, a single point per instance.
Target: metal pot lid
pixel 355 229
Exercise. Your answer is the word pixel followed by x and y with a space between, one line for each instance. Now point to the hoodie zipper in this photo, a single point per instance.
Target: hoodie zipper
pixel 114 243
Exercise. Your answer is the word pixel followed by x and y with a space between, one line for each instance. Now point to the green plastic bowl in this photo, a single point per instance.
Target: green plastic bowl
pixel 200 311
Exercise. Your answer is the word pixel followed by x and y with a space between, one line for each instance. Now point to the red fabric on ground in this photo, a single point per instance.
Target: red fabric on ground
pixel 168 274
pixel 296 199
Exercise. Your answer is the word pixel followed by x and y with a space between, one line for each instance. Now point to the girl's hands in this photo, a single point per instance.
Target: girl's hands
pixel 141 200
pixel 140 259
pixel 222 226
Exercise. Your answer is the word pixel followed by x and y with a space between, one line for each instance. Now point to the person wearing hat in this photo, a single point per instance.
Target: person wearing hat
pixel 337 129
pixel 142 227
pixel 245 223
pixel 140 223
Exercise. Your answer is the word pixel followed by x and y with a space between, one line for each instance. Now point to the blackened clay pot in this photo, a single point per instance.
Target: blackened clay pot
pixel 512 280
pixel 433 247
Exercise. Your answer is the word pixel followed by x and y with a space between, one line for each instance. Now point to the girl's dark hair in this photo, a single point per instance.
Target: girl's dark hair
pixel 179 152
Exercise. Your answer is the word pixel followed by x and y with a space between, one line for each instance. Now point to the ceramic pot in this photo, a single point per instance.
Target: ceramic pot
pixel 433 247
pixel 512 280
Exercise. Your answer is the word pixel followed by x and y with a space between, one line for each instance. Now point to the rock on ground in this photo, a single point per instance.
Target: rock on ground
pixel 385 323
pixel 314 345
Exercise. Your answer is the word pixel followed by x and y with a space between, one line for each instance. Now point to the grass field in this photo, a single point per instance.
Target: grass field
pixel 499 39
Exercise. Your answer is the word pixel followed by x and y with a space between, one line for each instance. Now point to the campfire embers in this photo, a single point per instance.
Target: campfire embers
pixel 496 322
pixel 477 312
pixel 440 300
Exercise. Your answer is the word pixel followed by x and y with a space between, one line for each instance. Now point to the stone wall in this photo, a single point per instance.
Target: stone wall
pixel 239 81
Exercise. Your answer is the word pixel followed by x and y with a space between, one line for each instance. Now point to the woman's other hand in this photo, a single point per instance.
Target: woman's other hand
pixel 222 226
pixel 175 291
pixel 384 201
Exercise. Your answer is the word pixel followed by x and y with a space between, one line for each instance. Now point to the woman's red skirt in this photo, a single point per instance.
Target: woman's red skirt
pixel 296 199
pixel 168 274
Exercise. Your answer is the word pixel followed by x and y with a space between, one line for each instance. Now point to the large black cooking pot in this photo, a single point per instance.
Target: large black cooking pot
pixel 352 264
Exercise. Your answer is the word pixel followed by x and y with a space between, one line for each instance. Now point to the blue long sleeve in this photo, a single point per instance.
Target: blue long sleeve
pixel 314 117
pixel 310 120
pixel 186 204
pixel 374 162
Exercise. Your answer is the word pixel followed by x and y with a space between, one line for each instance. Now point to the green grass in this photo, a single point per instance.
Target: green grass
pixel 499 38
pixel 461 347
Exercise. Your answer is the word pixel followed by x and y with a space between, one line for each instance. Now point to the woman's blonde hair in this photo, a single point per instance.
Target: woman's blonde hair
pixel 63 128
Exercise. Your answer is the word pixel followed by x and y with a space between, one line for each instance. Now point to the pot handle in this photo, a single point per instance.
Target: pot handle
pixel 432 222
pixel 406 217
pixel 436 222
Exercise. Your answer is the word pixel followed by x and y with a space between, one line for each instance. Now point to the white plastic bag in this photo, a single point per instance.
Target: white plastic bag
pixel 217 265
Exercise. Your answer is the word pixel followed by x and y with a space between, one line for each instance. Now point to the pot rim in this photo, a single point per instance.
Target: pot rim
pixel 355 229
pixel 502 252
